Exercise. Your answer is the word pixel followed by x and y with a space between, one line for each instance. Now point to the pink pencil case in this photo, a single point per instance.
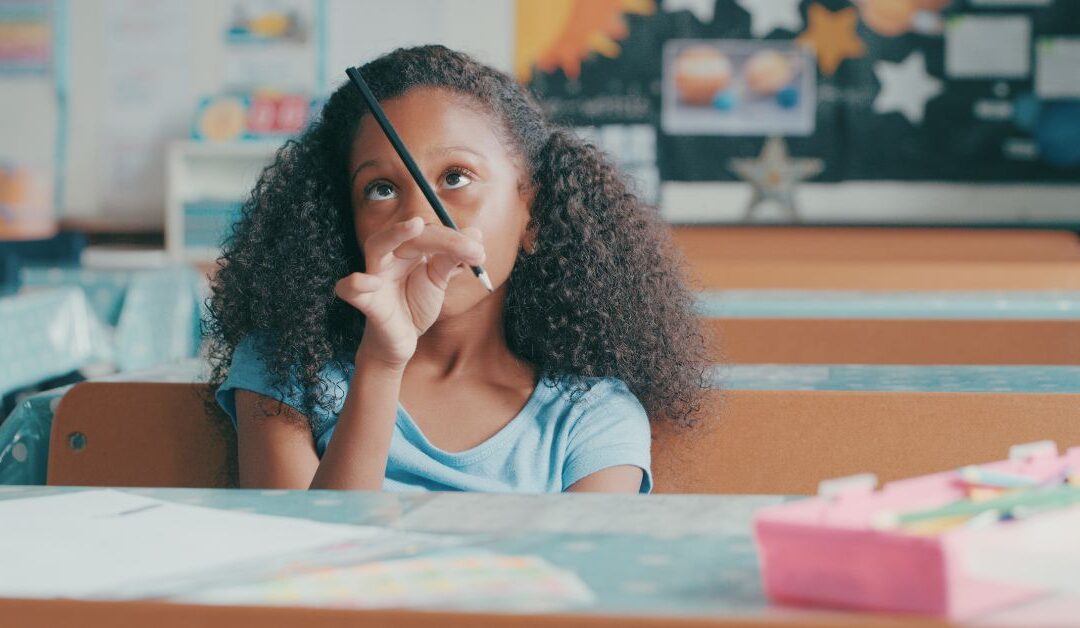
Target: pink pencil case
pixel 825 551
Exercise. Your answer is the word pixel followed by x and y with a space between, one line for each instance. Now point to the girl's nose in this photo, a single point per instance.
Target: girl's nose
pixel 414 204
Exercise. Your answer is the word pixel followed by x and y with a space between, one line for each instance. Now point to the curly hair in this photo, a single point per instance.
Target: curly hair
pixel 602 294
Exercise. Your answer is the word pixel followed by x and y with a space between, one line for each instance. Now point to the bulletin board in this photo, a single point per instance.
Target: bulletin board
pixel 902 90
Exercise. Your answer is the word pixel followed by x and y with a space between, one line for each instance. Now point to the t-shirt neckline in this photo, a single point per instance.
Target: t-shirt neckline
pixel 474 454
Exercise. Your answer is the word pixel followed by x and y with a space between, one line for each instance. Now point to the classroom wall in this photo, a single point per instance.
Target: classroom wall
pixel 94 188
pixel 104 178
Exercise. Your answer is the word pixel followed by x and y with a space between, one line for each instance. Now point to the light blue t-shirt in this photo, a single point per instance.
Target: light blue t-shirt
pixel 553 442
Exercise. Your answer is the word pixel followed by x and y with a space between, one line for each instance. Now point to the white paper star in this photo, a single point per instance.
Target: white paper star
pixel 774 176
pixel 768 15
pixel 906 87
pixel 703 9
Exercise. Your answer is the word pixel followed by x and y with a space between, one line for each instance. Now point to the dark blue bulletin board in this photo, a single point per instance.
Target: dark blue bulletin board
pixel 907 90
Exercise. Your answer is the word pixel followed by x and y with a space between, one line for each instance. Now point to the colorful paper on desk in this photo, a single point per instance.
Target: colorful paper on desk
pixel 99 543
pixel 518 583
pixel 1043 552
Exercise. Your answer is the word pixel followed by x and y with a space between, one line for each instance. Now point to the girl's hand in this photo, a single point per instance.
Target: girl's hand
pixel 409 266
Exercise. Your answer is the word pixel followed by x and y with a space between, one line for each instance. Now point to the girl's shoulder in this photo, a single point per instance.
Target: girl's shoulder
pixel 597 399
pixel 249 370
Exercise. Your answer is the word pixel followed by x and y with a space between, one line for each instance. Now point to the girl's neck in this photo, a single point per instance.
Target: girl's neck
pixel 471 344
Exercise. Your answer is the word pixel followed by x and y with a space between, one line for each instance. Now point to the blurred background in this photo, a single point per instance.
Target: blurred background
pixel 896 148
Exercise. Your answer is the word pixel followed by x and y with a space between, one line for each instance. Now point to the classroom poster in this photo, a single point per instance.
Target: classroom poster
pixel 26 36
pixel 566 50
pixel 270 44
pixel 908 90
pixel 147 98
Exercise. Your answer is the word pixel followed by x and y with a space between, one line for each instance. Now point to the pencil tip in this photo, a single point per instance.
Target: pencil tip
pixel 484 279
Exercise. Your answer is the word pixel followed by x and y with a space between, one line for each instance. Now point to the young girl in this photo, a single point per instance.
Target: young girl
pixel 353 348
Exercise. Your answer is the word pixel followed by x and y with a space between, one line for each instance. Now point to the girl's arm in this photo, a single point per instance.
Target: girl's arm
pixel 278 450
pixel 355 458
pixel 409 266
pixel 275 448
pixel 621 479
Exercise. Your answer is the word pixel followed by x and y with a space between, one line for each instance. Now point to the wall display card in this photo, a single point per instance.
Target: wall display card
pixel 270 44
pixel 1057 67
pixel 730 87
pixel 982 46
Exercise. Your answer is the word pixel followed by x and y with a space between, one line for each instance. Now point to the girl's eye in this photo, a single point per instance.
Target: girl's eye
pixel 380 191
pixel 456 179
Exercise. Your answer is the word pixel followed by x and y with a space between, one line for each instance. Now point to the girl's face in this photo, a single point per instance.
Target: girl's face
pixel 467 163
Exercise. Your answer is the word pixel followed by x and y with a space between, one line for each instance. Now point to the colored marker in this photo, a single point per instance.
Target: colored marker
pixel 1001 479
pixel 1042 499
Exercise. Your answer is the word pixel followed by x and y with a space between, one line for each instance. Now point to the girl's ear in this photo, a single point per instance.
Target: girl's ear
pixel 530 236
pixel 529 239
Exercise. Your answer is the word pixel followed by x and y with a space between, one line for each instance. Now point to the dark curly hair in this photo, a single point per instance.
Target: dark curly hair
pixel 602 294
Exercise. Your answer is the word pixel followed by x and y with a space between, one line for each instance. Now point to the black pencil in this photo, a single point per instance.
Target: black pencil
pixel 414 170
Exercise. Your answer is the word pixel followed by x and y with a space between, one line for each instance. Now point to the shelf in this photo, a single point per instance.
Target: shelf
pixel 209 181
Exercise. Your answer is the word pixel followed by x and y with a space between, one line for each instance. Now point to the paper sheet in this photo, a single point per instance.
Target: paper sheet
pixel 455 581
pixel 106 542
pixel 656 515
pixel 1043 552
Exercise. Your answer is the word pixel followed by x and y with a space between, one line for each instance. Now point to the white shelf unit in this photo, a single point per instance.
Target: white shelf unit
pixel 207 172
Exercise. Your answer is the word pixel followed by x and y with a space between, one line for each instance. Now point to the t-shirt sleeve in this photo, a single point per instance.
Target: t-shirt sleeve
pixel 248 372
pixel 612 430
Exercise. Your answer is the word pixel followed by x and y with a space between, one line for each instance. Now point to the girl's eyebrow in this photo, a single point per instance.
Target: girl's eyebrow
pixel 366 164
pixel 436 151
pixel 446 150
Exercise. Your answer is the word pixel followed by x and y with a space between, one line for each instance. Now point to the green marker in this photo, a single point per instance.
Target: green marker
pixel 1049 499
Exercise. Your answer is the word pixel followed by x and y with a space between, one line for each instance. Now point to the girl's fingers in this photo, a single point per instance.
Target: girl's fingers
pixel 473 233
pixel 384 242
pixel 439 240
pixel 441 269
pixel 354 286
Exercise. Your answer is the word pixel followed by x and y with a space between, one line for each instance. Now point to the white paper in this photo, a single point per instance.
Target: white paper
pixel 1042 552
pixel 988 46
pixel 97 542
pixel 1057 73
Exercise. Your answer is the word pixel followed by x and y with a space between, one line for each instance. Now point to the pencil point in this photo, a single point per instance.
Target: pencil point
pixel 483 277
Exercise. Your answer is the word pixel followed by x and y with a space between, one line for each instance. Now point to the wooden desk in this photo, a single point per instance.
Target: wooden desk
pixel 794 258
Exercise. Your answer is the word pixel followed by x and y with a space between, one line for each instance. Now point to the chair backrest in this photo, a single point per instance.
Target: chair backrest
pixel 779 442
pixel 9 272
pixel 786 442
pixel 141 434
pixel 63 249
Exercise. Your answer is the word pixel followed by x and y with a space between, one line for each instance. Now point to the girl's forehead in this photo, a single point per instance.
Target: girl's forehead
pixel 426 116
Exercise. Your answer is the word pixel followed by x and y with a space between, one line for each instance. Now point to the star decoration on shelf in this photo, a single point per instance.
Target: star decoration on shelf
pixel 774 177
pixel 906 87
pixel 831 35
pixel 704 10
pixel 769 15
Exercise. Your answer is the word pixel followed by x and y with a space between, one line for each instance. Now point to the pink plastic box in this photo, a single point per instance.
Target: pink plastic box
pixel 824 551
